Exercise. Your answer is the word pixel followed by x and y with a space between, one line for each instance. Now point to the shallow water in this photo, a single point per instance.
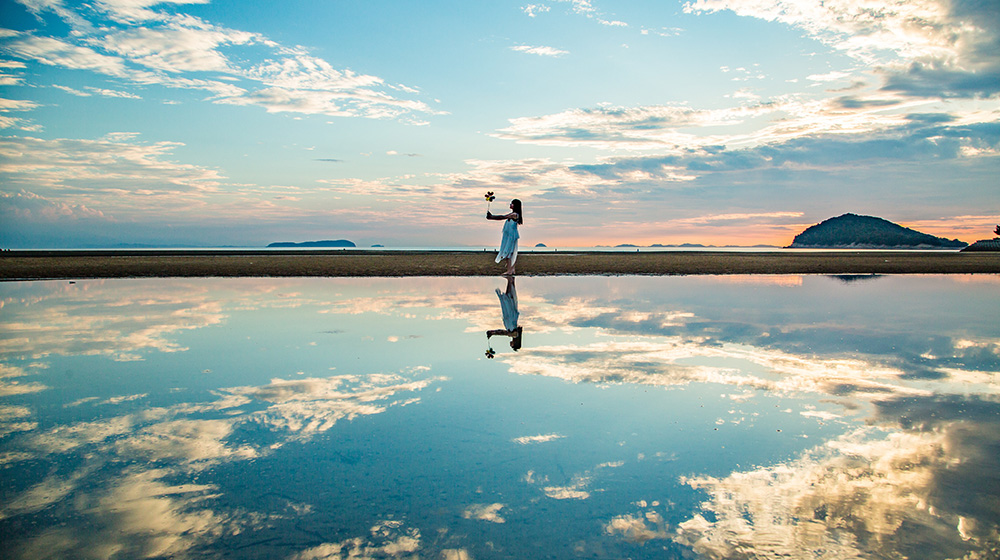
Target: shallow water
pixel 642 417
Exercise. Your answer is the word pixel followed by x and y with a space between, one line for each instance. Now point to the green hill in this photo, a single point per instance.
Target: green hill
pixel 868 232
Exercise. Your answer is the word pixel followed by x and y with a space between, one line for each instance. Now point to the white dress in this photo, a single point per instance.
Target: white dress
pixel 508 307
pixel 508 244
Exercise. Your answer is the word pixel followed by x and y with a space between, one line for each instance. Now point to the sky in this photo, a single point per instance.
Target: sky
pixel 723 122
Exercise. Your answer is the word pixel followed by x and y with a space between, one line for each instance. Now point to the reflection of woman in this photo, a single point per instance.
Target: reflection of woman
pixel 508 306
pixel 508 243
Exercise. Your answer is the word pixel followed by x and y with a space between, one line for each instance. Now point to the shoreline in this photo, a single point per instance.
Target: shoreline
pixel 86 264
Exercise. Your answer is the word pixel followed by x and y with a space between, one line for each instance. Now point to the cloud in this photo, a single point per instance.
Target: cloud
pixel 680 129
pixel 728 219
pixel 138 10
pixel 927 48
pixel 54 52
pixel 540 51
pixel 148 47
pixel 532 10
pixel 898 139
pixel 10 105
pixel 65 163
pixel 177 49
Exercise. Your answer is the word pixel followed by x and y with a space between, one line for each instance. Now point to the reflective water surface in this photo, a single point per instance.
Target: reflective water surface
pixel 562 417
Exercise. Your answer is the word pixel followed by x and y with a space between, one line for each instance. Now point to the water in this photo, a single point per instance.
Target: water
pixel 641 417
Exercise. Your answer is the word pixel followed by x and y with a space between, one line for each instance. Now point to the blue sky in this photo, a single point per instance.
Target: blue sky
pixel 708 121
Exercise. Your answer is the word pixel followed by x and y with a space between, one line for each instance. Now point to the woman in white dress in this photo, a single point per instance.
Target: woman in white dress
pixel 508 243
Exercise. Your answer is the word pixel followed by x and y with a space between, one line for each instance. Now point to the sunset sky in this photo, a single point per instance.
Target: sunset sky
pixel 741 122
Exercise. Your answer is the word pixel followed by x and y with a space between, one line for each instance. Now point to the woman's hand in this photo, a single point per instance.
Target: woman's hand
pixel 489 214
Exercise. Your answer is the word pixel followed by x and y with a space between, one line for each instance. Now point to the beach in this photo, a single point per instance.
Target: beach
pixel 38 265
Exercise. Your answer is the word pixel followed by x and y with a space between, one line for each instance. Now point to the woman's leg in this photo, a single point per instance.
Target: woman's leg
pixel 510 267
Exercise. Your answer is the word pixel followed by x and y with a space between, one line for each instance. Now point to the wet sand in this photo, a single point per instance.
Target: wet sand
pixel 32 265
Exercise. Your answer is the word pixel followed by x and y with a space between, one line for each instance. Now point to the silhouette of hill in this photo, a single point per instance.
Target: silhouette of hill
pixel 852 231
pixel 326 243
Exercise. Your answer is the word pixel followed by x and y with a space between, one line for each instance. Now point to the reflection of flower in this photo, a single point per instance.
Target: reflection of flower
pixel 490 353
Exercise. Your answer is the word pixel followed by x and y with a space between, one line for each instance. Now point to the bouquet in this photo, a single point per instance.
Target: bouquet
pixel 489 198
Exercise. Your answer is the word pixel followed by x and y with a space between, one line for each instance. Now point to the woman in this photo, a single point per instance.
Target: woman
pixel 508 308
pixel 508 244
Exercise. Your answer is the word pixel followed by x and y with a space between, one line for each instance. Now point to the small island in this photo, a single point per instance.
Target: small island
pixel 326 243
pixel 851 231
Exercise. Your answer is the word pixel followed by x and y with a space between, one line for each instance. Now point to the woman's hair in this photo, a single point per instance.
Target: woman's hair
pixel 517 208
pixel 515 341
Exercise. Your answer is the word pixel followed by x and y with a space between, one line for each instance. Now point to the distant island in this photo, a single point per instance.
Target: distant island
pixel 852 231
pixel 540 245
pixel 327 243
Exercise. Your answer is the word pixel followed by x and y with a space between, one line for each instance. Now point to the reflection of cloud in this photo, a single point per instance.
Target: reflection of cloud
pixel 577 487
pixel 636 529
pixel 136 516
pixel 524 440
pixel 865 494
pixel 666 361
pixel 387 539
pixel 186 441
pixel 141 516
pixel 15 419
pixel 10 388
pixel 107 322
pixel 575 491
pixel 41 495
pixel 303 407
pixel 485 512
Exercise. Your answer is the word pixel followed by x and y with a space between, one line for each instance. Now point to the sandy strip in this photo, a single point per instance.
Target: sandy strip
pixel 23 265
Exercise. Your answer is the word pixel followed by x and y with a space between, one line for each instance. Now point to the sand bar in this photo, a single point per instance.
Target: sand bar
pixel 34 265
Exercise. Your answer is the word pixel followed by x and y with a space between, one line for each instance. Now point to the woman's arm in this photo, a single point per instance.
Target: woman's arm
pixel 511 216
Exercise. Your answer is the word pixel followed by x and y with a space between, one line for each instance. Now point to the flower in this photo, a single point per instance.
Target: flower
pixel 490 197
pixel 490 353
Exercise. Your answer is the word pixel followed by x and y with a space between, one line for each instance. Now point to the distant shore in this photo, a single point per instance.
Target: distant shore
pixel 38 265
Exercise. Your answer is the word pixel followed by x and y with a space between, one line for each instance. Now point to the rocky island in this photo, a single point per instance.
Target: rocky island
pixel 852 231
pixel 992 245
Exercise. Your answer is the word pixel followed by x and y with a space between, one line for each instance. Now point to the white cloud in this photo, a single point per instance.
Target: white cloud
pixel 138 10
pixel 176 49
pixel 54 52
pixel 829 76
pixel 93 167
pixel 533 10
pixel 540 51
pixel 927 47
pixel 166 49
